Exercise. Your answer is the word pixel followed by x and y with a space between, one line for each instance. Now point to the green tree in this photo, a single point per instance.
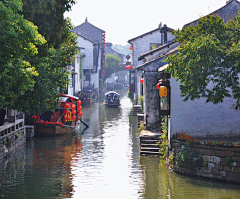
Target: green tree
pixel 48 16
pixel 123 49
pixel 19 39
pixel 53 57
pixel 208 58
pixel 52 78
pixel 112 63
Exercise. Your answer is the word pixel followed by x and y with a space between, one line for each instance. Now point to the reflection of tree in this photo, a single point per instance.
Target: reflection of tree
pixel 52 161
pixel 12 170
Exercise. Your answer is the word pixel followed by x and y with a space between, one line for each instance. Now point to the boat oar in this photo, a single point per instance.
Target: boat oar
pixel 84 124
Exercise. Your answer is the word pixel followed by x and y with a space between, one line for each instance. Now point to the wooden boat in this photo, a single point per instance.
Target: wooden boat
pixel 62 121
pixel 87 96
pixel 112 99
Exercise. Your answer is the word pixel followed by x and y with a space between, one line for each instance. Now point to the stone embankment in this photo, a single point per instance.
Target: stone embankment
pixel 220 163
pixel 12 135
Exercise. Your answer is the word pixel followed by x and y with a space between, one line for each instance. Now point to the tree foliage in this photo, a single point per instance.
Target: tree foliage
pixel 112 63
pixel 18 40
pixel 48 15
pixel 208 60
pixel 52 78
pixel 32 69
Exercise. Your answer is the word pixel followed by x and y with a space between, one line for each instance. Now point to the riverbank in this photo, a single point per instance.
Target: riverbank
pixel 208 161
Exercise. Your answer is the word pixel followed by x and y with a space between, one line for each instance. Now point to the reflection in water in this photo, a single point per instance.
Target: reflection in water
pixel 103 162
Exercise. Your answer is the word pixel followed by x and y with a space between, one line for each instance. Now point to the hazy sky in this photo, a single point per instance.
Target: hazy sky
pixel 126 19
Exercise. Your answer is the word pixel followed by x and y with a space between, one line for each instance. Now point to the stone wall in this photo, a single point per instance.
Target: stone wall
pixel 220 163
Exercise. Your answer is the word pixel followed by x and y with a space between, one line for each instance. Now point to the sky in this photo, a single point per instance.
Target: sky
pixel 126 19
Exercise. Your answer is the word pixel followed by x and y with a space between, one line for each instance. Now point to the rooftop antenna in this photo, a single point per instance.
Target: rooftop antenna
pixel 86 20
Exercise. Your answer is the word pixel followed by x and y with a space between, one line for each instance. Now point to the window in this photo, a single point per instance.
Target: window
pixel 163 38
pixel 154 45
pixel 87 77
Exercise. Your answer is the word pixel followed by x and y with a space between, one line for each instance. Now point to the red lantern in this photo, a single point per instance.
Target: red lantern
pixel 73 112
pixel 79 102
pixel 131 48
pixel 67 106
pixel 157 86
pixel 34 117
pixel 142 80
pixel 128 67
pixel 67 112
pixel 74 117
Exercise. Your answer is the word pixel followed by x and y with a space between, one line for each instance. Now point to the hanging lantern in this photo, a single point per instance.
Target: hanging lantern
pixel 74 112
pixel 163 91
pixel 131 48
pixel 67 106
pixel 128 67
pixel 142 80
pixel 79 102
pixel 157 86
pixel 34 117
pixel 67 112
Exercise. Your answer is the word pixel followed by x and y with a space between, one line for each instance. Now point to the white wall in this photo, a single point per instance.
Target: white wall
pixel 141 46
pixel 77 70
pixel 202 119
pixel 87 62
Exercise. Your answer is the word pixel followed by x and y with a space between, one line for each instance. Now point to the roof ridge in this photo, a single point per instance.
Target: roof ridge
pixel 86 21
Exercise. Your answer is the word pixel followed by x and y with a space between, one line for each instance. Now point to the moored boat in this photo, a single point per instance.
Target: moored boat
pixel 112 99
pixel 62 121
pixel 87 96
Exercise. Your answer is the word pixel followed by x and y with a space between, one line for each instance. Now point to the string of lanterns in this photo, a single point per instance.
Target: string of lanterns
pixel 103 55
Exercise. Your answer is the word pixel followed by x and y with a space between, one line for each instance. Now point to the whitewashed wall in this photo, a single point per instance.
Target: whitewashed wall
pixel 202 119
pixel 141 46
pixel 87 62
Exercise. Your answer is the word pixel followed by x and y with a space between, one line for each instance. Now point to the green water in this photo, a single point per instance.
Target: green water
pixel 102 162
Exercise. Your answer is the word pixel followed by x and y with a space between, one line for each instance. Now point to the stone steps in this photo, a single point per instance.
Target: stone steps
pixel 148 143
pixel 137 109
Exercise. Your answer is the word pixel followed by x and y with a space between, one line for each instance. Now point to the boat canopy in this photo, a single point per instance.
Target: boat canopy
pixel 112 93
pixel 73 98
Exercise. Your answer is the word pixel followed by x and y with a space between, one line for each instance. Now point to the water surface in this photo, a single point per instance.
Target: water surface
pixel 101 162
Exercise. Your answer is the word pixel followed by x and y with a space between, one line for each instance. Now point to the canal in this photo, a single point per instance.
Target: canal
pixel 101 162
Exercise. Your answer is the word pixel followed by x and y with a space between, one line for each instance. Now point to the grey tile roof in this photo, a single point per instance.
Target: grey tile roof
pixel 164 55
pixel 155 50
pixel 89 24
pixel 84 37
pixel 216 12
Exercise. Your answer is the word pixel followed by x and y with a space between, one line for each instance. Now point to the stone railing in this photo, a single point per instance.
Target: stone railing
pixel 12 135
pixel 221 163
